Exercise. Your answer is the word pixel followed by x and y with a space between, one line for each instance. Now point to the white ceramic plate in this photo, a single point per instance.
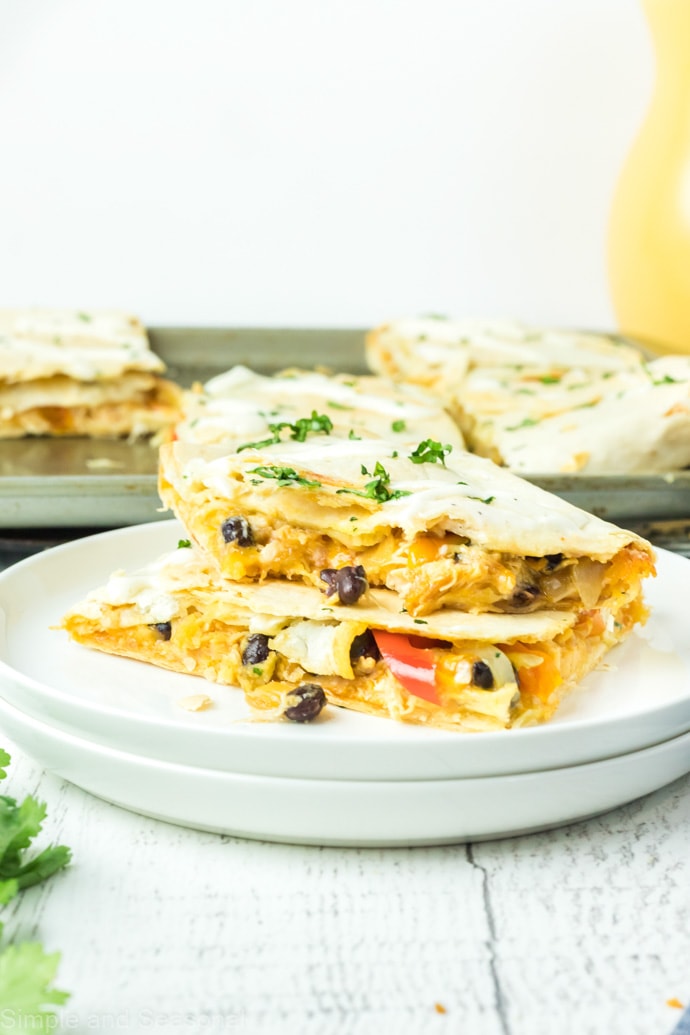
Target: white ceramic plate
pixel 643 699
pixel 348 812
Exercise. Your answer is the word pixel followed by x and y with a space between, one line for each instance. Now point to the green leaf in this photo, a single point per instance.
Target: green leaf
pixel 19 824
pixel 398 425
pixel 8 889
pixel 528 422
pixel 183 544
pixel 283 475
pixel 4 762
pixel 430 452
pixel 298 431
pixel 27 974
pixel 376 489
pixel 42 866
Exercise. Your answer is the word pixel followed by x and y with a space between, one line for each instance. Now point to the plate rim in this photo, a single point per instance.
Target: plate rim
pixel 248 730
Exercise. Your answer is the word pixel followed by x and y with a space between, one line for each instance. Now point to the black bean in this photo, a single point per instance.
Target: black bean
pixel 482 676
pixel 237 530
pixel 364 646
pixel 310 702
pixel 164 629
pixel 525 595
pixel 350 582
pixel 553 560
pixel 255 650
pixel 330 577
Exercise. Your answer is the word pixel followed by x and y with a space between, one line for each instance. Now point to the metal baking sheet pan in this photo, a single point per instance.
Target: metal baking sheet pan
pixel 87 483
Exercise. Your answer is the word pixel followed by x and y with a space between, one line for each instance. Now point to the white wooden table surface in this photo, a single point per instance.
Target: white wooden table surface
pixel 580 930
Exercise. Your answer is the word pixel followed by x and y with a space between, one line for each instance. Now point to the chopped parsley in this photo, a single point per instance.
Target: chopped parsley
pixel 667 380
pixel 182 543
pixel 318 422
pixel 353 437
pixel 257 670
pixel 338 406
pixel 284 476
pixel 489 499
pixel 419 621
pixel 430 452
pixel 528 422
pixel 378 488
pixel 398 425
pixel 550 379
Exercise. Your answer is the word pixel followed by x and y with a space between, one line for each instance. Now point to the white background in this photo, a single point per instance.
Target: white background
pixel 315 162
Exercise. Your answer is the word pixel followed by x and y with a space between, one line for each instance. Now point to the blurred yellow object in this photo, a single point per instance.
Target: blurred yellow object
pixel 649 235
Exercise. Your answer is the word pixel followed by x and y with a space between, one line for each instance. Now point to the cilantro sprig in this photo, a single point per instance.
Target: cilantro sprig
pixel 318 422
pixel 430 452
pixel 284 476
pixel 26 971
pixel 378 488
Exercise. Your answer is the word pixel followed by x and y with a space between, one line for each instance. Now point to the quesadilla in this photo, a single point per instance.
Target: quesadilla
pixel 80 373
pixel 641 425
pixel 240 406
pixel 438 353
pixel 290 649
pixel 437 527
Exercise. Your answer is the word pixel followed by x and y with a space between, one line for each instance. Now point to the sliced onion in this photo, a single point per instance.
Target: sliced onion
pixel 589 578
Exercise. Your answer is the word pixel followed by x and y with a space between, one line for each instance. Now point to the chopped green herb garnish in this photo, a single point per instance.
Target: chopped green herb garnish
pixel 394 454
pixel 430 452
pixel 489 499
pixel 284 476
pixel 353 518
pixel 353 437
pixel 84 317
pixel 398 425
pixel 338 406
pixel 667 380
pixel 257 671
pixel 376 489
pixel 318 422
pixel 550 379
pixel 461 483
pixel 182 543
pixel 528 422
pixel 420 621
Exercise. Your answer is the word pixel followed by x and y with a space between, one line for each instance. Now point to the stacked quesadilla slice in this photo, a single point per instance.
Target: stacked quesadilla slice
pixel 419 583
pixel 80 373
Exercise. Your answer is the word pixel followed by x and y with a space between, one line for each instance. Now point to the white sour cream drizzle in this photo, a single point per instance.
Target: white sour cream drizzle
pixel 99 345
pixel 492 506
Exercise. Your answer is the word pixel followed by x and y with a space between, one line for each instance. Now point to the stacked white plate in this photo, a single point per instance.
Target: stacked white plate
pixel 115 727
